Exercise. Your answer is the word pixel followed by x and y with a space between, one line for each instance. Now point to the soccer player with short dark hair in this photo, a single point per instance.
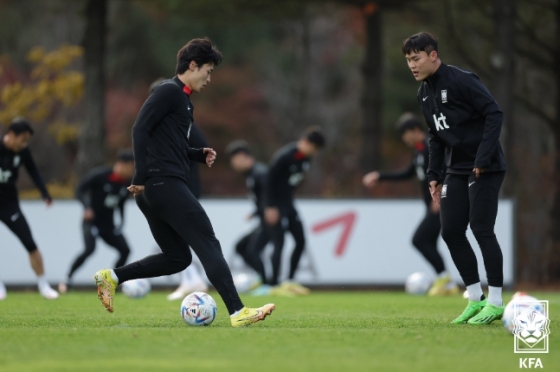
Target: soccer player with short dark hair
pixel 13 153
pixel 250 246
pixel 177 220
pixel 103 191
pixel 464 124
pixel 427 233
pixel 285 173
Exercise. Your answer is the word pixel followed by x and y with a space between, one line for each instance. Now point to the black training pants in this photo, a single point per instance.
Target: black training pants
pixel 250 246
pixel 466 199
pixel 111 236
pixel 289 221
pixel 177 221
pixel 425 240
pixel 14 219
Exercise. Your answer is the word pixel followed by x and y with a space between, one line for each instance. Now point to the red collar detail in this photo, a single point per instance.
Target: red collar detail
pixel 187 90
pixel 113 177
pixel 299 155
pixel 420 146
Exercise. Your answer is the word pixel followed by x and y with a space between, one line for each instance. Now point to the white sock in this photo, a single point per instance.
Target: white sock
pixel 475 292
pixel 185 280
pixel 42 281
pixel 235 314
pixel 495 296
pixel 114 276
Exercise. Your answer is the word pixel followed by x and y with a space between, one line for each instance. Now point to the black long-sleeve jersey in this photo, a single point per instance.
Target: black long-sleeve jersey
pixel 198 141
pixel 418 167
pixel 160 135
pixel 285 173
pixel 9 172
pixel 104 192
pixel 464 123
pixel 256 182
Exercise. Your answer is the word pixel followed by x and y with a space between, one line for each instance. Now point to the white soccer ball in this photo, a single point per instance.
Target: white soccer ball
pixel 523 302
pixel 137 288
pixel 418 284
pixel 198 309
pixel 245 282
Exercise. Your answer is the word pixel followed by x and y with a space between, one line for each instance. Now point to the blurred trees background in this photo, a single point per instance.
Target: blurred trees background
pixel 288 65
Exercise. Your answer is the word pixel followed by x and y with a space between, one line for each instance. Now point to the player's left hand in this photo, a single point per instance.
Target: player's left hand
pixel 478 171
pixel 210 156
pixel 135 189
pixel 435 191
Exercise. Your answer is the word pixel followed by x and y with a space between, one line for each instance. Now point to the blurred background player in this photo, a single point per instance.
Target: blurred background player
pixel 102 191
pixel 191 279
pixel 13 153
pixel 285 173
pixel 426 236
pixel 250 246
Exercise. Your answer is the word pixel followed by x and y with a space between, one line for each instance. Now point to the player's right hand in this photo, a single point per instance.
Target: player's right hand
pixel 271 215
pixel 88 214
pixel 135 189
pixel 371 179
pixel 435 191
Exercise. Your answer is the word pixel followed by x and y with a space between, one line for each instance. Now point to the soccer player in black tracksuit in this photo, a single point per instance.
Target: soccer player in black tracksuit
pixel 426 236
pixel 102 191
pixel 250 246
pixel 285 173
pixel 13 153
pixel 464 124
pixel 177 220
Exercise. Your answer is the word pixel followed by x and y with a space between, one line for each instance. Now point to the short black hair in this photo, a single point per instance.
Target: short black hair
pixel 19 126
pixel 408 121
pixel 421 42
pixel 201 51
pixel 125 155
pixel 236 147
pixel 314 134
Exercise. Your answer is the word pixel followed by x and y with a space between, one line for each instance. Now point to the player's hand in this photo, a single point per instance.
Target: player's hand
pixel 435 191
pixel 371 179
pixel 135 189
pixel 88 214
pixel 272 215
pixel 478 171
pixel 48 201
pixel 434 208
pixel 210 156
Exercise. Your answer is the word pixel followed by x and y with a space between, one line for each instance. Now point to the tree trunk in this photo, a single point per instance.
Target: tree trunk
pixel 503 64
pixel 91 140
pixel 372 97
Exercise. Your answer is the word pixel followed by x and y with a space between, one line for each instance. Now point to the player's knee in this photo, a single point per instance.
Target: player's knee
pixel 482 230
pixel 451 233
pixel 417 241
pixel 181 262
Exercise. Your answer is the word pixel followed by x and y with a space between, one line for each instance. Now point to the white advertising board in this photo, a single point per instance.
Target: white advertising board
pixel 349 242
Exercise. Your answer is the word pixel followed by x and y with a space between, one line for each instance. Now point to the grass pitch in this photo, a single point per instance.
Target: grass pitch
pixel 331 331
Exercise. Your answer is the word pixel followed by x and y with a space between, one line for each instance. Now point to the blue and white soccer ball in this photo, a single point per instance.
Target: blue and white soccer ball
pixel 418 284
pixel 137 288
pixel 523 302
pixel 199 309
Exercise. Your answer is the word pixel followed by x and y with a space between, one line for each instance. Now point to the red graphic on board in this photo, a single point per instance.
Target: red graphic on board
pixel 347 220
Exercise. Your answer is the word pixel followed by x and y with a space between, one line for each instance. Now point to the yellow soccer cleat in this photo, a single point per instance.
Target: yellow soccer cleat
pixel 296 288
pixel 443 287
pixel 248 316
pixel 106 287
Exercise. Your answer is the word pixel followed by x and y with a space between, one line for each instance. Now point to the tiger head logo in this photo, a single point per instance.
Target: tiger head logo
pixel 531 326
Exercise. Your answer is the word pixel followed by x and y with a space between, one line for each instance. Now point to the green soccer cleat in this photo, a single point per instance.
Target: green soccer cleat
pixel 248 316
pixel 106 287
pixel 488 314
pixel 473 308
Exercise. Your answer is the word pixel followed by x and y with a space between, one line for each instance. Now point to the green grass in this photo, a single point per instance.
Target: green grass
pixel 352 331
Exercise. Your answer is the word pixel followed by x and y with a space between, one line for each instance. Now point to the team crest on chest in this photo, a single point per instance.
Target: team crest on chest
pixel 16 161
pixel 444 96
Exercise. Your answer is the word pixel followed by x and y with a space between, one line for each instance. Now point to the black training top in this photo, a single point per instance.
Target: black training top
pixel 9 172
pixel 103 191
pixel 160 136
pixel 198 141
pixel 464 123
pixel 418 167
pixel 285 173
pixel 255 181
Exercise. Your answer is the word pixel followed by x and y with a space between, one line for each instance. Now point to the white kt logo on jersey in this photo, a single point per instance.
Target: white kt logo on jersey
pixel 440 122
